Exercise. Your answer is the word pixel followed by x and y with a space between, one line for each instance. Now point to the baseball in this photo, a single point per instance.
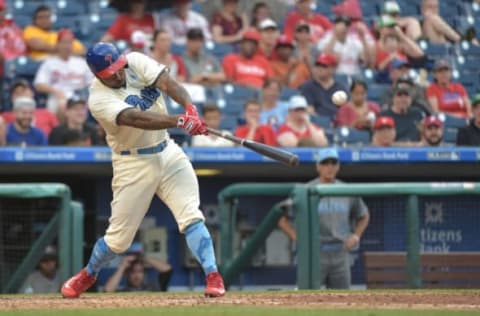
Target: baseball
pixel 339 97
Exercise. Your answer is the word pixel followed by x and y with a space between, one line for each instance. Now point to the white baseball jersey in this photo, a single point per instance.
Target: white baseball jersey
pixel 106 103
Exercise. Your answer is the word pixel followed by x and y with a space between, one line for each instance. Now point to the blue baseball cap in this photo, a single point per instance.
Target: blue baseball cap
pixel 327 153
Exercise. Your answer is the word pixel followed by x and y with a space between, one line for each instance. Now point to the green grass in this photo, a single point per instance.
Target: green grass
pixel 237 311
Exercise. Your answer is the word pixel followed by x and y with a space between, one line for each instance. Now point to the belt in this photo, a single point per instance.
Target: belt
pixel 145 151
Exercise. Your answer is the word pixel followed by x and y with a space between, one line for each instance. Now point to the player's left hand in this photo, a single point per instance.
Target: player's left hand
pixel 193 125
pixel 351 242
pixel 191 110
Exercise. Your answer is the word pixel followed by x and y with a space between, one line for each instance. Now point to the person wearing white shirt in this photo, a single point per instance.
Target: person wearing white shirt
pixel 179 19
pixel 349 47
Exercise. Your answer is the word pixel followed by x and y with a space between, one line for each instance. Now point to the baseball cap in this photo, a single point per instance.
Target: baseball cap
pixel 138 39
pixel 283 40
pixel 297 102
pixel 384 121
pixel 74 100
pixel 195 33
pixel 268 24
pixel 65 34
pixel 327 153
pixel 442 64
pixel 476 99
pixel 251 35
pixel 399 63
pixel 49 254
pixel 391 7
pixel 433 120
pixel 386 21
pixel 326 59
pixel 24 103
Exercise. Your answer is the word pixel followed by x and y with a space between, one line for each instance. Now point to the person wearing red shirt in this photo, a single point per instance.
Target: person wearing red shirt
pixel 127 23
pixel 447 96
pixel 359 113
pixel 11 38
pixel 298 131
pixel 247 68
pixel 253 130
pixel 317 22
pixel 288 69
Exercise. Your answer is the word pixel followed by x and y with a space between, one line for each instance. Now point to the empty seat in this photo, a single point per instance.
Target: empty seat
pixel 218 50
pixel 450 135
pixel 22 67
pixel 233 91
pixel 287 93
pixel 25 7
pixel 450 121
pixel 229 123
pixel 322 121
pixel 72 8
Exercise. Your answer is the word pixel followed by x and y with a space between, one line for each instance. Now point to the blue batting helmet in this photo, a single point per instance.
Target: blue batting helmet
pixel 104 59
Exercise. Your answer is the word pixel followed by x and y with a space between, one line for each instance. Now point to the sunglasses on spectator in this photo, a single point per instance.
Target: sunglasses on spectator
pixel 303 30
pixel 442 69
pixel 403 94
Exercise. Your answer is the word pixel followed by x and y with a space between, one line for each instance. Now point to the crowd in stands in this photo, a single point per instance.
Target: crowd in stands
pixel 409 67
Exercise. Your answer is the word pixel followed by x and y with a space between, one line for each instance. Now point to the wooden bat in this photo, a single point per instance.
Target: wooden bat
pixel 277 154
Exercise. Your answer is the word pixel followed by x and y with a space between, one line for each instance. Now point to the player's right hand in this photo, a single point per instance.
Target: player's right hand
pixel 191 110
pixel 193 125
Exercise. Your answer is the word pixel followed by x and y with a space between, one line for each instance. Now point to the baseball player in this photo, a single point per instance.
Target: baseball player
pixel 126 98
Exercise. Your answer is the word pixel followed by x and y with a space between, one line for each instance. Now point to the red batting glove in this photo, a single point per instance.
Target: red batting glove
pixel 193 125
pixel 191 110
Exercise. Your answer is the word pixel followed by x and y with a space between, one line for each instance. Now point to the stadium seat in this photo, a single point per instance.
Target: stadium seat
pixel 218 50
pixel 233 107
pixel 177 49
pixel 287 93
pixel 346 136
pixel 23 20
pixel 450 135
pixel 233 91
pixel 376 91
pixel 450 121
pixel 344 80
pixel 229 123
pixel 322 121
pixel 70 8
pixel 25 7
pixel 23 67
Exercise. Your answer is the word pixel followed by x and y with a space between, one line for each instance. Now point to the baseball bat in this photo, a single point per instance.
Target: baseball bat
pixel 277 154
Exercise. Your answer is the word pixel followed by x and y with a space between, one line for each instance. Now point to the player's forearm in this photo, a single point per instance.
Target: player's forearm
pixel 112 284
pixel 173 89
pixel 362 225
pixel 146 120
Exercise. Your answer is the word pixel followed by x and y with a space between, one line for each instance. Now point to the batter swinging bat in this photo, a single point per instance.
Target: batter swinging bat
pixel 277 154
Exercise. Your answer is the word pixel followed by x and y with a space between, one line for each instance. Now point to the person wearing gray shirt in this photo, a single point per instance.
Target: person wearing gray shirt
pixel 342 222
pixel 45 279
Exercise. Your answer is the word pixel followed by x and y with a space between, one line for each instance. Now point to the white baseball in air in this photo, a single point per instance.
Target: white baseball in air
pixel 339 97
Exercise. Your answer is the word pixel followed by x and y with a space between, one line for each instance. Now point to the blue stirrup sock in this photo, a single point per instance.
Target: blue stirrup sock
pixel 100 256
pixel 201 245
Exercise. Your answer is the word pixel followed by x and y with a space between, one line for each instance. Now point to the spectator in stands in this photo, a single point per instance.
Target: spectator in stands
pixel 76 138
pixel 319 90
pixel 273 111
pixel 351 49
pixel 268 38
pixel 247 67
pixel 42 118
pixel 62 74
pixel 11 38
pixel 21 132
pixel 212 116
pixel 409 24
pixel 253 129
pixel 132 268
pixel 319 24
pixel 358 113
pixel 41 40
pixel 342 220
pixel 260 12
pixel 399 75
pixel 177 20
pixel 287 69
pixel 384 133
pixel 45 278
pixel 445 95
pixel 161 53
pixel 406 118
pixel 394 44
pixel 227 25
pixel 435 29
pixel 470 135
pixel 431 131
pixel 75 119
pixel 201 68
pixel 305 50
pixel 3 132
pixel 137 19
pixel 298 131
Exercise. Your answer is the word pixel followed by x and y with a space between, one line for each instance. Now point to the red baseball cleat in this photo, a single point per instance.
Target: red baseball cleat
pixel 215 287
pixel 77 284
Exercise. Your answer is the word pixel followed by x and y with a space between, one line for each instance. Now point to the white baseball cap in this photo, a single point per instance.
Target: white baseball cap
pixel 267 24
pixel 24 103
pixel 297 102
pixel 138 39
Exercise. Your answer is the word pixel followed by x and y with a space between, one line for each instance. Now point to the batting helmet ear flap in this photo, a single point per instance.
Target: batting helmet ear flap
pixel 104 59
